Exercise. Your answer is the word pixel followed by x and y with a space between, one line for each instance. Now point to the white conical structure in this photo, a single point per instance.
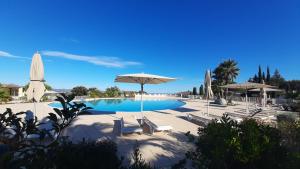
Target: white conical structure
pixel 207 83
pixel 208 91
pixel 36 87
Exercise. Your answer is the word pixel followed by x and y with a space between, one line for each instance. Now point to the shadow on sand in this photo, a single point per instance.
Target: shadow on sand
pixel 162 149
pixel 95 112
pixel 184 110
pixel 162 112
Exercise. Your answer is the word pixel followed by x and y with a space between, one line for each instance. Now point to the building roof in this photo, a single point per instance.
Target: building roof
pixel 11 85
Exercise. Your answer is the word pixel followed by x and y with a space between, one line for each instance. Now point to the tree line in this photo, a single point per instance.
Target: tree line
pixel 96 93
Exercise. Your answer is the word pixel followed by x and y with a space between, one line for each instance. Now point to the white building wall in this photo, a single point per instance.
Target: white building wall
pixel 21 92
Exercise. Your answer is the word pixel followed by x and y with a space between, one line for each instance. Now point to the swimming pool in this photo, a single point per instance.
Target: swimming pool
pixel 129 105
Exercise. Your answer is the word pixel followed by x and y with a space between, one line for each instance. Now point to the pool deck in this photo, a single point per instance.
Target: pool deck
pixel 161 149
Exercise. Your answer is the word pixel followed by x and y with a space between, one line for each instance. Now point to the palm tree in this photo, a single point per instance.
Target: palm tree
pixel 226 73
pixel 229 71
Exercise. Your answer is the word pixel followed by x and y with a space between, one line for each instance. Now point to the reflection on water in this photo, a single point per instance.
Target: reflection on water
pixel 106 101
pixel 130 105
pixel 113 101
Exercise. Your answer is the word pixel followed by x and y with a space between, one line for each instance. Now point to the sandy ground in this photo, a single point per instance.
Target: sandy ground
pixel 161 149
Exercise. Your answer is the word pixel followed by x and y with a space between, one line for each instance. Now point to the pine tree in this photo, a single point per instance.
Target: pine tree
pixel 277 74
pixel 277 79
pixel 259 75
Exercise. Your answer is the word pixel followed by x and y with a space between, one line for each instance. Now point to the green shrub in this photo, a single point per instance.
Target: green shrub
pixel 245 145
pixel 79 91
pixel 113 92
pixel 4 95
pixel 290 132
pixel 87 155
pixel 137 160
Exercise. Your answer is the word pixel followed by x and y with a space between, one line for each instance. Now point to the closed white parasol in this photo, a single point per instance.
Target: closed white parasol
pixel 208 91
pixel 36 87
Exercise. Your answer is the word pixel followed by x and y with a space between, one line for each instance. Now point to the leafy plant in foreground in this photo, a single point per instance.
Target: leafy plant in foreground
pixel 137 160
pixel 30 145
pixel 227 144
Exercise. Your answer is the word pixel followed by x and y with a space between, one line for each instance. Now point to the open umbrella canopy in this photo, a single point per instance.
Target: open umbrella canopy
pixel 143 78
pixel 246 85
pixel 36 87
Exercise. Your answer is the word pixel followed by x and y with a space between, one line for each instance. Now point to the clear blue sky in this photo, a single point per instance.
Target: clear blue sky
pixel 89 43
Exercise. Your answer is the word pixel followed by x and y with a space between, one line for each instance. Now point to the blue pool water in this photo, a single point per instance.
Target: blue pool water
pixel 129 105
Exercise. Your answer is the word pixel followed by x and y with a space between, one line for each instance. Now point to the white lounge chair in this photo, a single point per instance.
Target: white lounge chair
pixel 150 127
pixel 120 128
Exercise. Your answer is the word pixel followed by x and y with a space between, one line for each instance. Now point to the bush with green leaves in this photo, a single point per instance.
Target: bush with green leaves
pixel 94 155
pixel 4 95
pixel 137 160
pixel 290 132
pixel 79 91
pixel 29 144
pixel 227 144
pixel 113 92
pixel 95 93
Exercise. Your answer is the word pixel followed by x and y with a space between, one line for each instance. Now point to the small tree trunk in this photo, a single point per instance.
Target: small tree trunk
pixel 226 93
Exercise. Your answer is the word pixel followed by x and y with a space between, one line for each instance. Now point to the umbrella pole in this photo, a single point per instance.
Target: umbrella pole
pixel 247 108
pixel 34 105
pixel 207 106
pixel 142 104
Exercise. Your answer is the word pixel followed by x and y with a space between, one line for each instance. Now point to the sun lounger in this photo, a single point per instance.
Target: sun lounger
pixel 237 114
pixel 199 120
pixel 205 120
pixel 120 128
pixel 150 127
pixel 251 111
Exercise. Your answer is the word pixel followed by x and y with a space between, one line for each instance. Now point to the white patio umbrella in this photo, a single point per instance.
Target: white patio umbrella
pixel 246 86
pixel 142 79
pixel 208 91
pixel 36 87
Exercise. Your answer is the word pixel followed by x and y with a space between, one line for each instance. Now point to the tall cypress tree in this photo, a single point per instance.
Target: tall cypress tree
pixel 263 77
pixel 201 90
pixel 268 78
pixel 259 75
pixel 194 91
